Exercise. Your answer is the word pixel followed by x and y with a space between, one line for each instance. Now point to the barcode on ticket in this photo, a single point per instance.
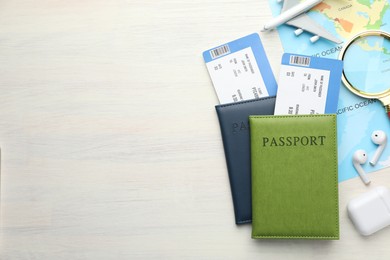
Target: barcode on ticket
pixel 218 52
pixel 300 60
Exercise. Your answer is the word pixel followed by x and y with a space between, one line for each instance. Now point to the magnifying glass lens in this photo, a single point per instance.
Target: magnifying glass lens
pixel 367 64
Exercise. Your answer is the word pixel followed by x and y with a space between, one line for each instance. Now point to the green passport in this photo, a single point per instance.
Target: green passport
pixel 294 177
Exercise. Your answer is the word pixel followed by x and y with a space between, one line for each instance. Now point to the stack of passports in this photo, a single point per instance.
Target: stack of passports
pixel 282 170
pixel 294 177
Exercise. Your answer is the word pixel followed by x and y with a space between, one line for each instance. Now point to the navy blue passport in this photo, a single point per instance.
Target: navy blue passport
pixel 234 122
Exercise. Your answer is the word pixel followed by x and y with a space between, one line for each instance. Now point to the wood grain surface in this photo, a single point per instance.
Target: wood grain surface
pixel 110 142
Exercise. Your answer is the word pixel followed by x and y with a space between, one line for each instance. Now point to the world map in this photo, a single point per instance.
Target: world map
pixel 357 117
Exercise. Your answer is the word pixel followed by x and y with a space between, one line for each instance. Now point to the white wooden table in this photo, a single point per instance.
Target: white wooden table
pixel 110 142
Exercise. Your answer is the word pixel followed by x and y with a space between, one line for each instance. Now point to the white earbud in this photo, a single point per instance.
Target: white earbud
pixel 358 158
pixel 378 137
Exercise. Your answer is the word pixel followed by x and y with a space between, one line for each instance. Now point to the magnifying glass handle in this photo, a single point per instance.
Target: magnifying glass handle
pixel 387 107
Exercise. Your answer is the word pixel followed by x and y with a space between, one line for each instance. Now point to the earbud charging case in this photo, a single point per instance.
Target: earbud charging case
pixel 370 211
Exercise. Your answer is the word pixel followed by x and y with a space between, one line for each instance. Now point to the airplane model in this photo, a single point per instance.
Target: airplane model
pixel 293 13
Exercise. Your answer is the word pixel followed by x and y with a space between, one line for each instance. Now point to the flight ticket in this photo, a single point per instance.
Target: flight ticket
pixel 308 85
pixel 240 70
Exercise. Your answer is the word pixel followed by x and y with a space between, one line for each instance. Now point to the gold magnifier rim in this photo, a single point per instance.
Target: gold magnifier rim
pixel 341 57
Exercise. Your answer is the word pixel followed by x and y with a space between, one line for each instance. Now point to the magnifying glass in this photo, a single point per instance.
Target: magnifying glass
pixel 366 70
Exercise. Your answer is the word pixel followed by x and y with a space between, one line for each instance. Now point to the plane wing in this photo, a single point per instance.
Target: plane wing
pixel 287 4
pixel 308 24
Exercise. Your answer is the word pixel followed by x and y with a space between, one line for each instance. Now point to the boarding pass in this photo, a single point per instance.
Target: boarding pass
pixel 240 70
pixel 308 85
